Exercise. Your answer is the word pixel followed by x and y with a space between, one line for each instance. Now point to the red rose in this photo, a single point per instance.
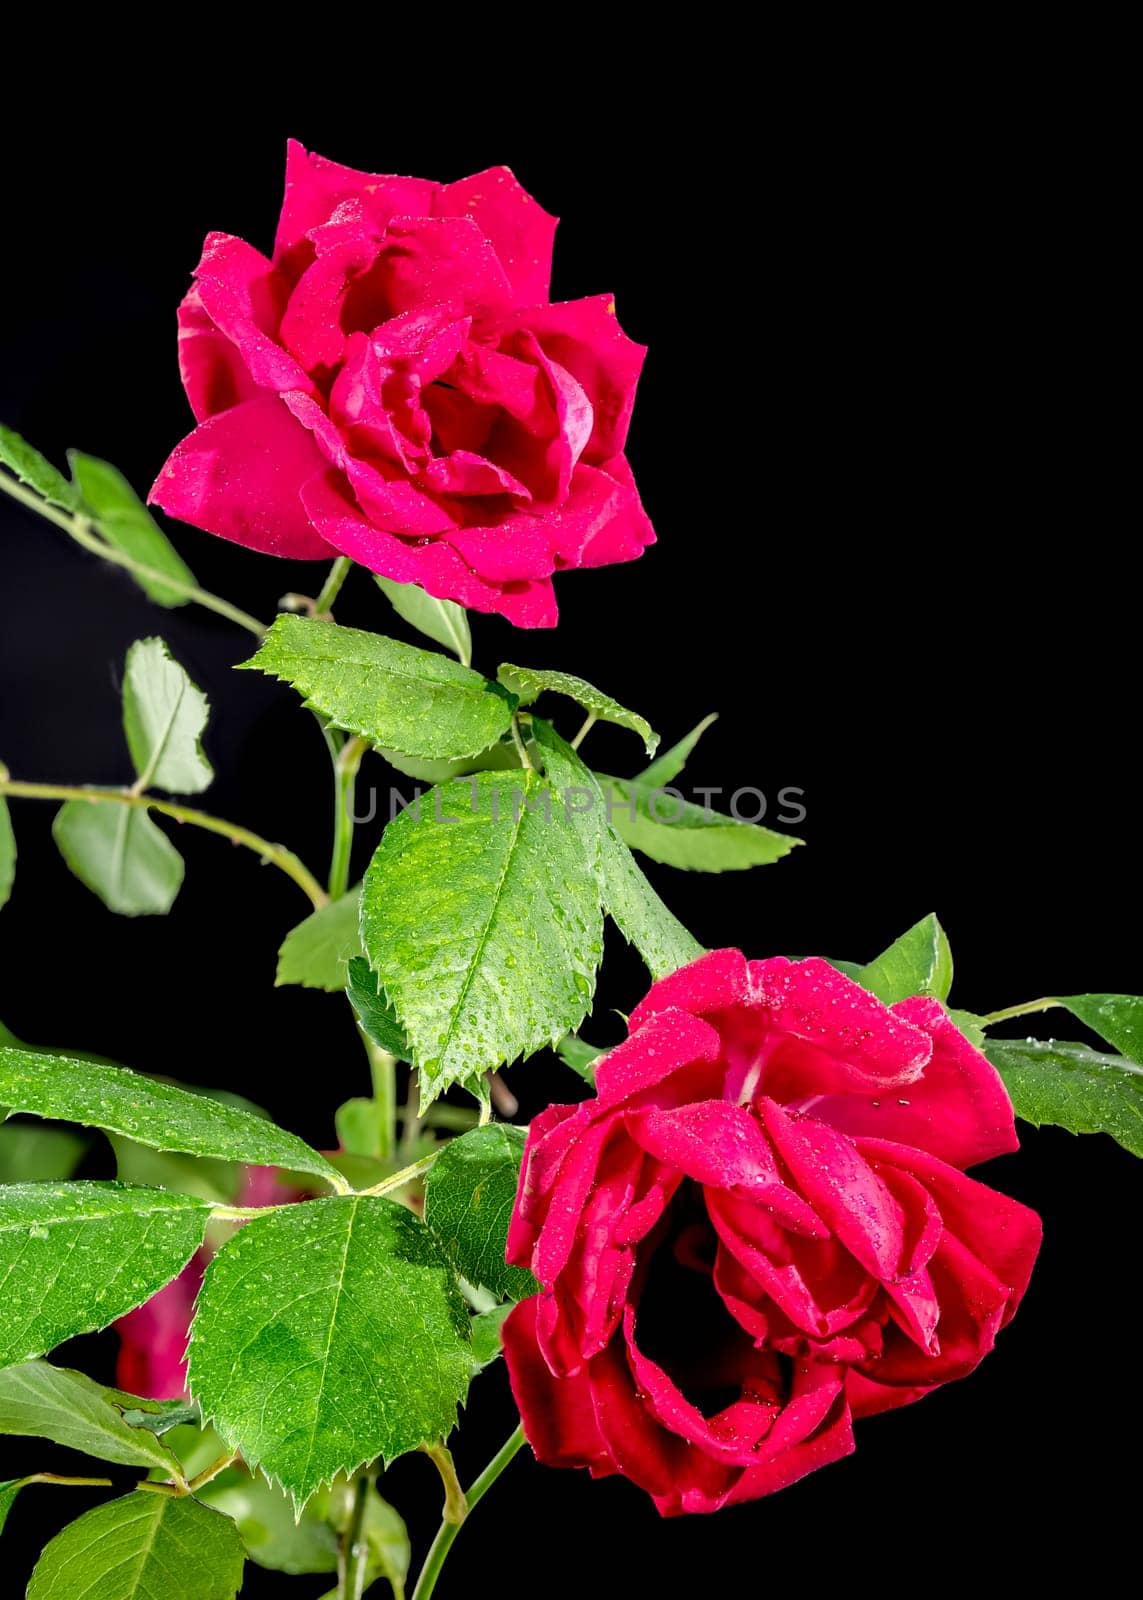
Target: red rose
pixel 394 385
pixel 757 1231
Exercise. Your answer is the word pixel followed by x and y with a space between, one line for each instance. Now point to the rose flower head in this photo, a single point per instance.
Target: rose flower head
pixel 394 385
pixel 759 1230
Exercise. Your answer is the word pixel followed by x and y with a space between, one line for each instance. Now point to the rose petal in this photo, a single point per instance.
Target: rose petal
pixel 714 982
pixel 585 337
pixel 817 1283
pixel 245 296
pixel 958 1109
pixel 558 1414
pixel 843 1189
pixel 214 374
pixel 519 229
pixel 435 566
pixel 1003 1234
pixel 239 475
pixel 669 1041
pixel 837 1035
pixel 316 187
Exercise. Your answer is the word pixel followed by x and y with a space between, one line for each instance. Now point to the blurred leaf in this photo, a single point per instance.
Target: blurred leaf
pixel 164 715
pixel 442 620
pixel 124 521
pixel 316 952
pixel 118 853
pixel 35 470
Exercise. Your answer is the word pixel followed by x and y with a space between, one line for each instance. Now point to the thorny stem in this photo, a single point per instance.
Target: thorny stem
pixel 353 1551
pixel 448 1531
pixel 1024 1010
pixel 79 528
pixel 285 860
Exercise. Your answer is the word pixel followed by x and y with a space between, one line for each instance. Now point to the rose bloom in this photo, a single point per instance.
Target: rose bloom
pixel 394 385
pixel 757 1231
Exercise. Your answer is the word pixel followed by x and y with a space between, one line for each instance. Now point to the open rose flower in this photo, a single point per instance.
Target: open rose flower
pixel 395 385
pixel 757 1231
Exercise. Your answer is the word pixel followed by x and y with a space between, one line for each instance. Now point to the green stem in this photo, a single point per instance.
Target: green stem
pixel 448 1531
pixel 79 528
pixel 589 723
pixel 383 1069
pixel 331 588
pixel 521 750
pixel 353 1551
pixel 345 765
pixel 455 1506
pixel 1025 1010
pixel 398 1180
pixel 276 854
pixel 69 1483
pixel 412 1121
pixel 208 1474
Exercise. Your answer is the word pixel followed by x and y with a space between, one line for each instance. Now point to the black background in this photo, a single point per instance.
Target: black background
pixel 882 466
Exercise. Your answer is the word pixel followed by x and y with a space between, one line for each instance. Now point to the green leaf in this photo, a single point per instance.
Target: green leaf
pixel 633 905
pixel 164 715
pixel 483 925
pixel 7 853
pixel 970 1025
pixel 580 1056
pixel 1073 1087
pixel 919 962
pixel 316 952
pixel 387 1540
pixel 133 1548
pixel 486 1339
pixel 44 1402
pixel 217 1182
pixel 8 1493
pixel 374 1012
pixel 30 1153
pixel 500 757
pixel 1118 1018
pixel 469 1194
pixel 528 683
pixel 162 1416
pixel 265 1519
pixel 74 1257
pixel 127 525
pixel 155 1114
pixel 667 767
pixel 442 620
pixel 677 833
pixel 352 1333
pixel 394 694
pixel 359 1128
pixel 36 470
pixel 120 855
